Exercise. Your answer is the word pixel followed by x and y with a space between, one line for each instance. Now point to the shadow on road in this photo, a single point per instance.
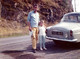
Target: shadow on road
pixel 61 48
pixel 53 48
pixel 13 51
pixel 17 54
pixel 26 56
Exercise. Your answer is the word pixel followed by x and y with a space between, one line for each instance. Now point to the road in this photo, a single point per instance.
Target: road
pixel 20 48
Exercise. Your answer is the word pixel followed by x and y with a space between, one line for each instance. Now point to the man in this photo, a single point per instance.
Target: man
pixel 33 20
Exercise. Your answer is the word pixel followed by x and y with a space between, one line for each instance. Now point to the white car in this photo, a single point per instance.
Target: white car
pixel 67 30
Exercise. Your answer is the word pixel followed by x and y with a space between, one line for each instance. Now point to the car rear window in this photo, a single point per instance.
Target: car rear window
pixel 71 18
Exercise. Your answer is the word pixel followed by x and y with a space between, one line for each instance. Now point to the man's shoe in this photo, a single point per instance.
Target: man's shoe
pixel 34 50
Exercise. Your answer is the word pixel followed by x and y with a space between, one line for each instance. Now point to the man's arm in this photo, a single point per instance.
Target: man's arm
pixel 28 22
pixel 29 26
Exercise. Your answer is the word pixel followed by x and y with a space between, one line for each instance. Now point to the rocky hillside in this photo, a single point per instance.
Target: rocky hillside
pixel 14 13
pixel 0 9
pixel 49 10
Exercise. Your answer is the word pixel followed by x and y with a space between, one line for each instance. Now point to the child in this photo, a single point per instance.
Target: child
pixel 42 35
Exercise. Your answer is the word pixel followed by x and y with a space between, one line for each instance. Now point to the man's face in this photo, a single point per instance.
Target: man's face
pixel 35 8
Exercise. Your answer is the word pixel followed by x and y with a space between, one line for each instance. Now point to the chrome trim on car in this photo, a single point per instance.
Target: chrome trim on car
pixel 68 40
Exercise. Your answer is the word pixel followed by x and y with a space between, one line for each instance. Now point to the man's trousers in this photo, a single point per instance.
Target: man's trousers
pixel 34 37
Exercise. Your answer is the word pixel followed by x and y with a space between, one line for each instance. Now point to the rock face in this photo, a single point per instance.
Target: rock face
pixel 0 9
pixel 50 10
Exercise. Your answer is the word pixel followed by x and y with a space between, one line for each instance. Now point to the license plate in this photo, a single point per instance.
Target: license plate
pixel 57 33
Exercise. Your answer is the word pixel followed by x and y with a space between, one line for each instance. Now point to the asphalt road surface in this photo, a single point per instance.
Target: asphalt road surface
pixel 20 48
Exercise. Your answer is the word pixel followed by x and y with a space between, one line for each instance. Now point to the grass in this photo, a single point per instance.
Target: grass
pixel 6 32
pixel 13 35
pixel 11 29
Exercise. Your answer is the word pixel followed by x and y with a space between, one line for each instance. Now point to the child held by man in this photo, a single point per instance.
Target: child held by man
pixel 42 35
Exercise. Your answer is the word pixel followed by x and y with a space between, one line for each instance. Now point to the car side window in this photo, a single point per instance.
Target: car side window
pixel 73 18
pixel 66 18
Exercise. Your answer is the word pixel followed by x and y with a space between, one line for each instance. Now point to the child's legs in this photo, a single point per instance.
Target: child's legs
pixel 40 41
pixel 43 40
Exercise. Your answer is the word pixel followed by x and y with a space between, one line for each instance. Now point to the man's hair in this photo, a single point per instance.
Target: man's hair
pixel 35 5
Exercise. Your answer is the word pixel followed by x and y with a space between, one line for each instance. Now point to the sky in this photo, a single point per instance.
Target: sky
pixel 76 3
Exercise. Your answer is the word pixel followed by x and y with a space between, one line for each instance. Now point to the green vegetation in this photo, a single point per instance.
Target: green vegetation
pixel 13 35
pixel 11 29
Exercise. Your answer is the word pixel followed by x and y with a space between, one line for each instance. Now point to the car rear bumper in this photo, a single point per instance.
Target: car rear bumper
pixel 67 40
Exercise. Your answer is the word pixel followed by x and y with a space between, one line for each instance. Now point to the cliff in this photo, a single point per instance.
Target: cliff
pixel 50 10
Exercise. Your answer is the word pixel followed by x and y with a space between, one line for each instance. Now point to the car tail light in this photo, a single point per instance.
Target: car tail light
pixel 71 33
